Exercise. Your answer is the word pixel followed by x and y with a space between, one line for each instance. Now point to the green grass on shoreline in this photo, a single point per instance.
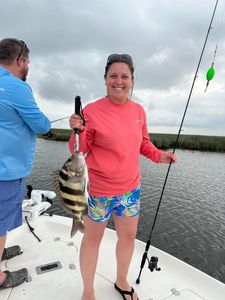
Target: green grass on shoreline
pixel 161 141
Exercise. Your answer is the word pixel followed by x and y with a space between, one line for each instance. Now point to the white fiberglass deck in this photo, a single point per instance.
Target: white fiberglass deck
pixel 175 281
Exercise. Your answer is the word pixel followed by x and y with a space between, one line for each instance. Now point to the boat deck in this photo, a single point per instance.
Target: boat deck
pixel 53 266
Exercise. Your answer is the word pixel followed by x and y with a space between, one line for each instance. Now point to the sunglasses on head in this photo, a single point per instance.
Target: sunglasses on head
pixel 119 57
pixel 23 45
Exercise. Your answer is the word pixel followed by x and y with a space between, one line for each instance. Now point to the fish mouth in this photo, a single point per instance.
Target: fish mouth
pixel 76 165
pixel 77 171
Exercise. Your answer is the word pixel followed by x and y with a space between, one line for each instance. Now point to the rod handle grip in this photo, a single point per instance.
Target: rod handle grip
pixel 77 111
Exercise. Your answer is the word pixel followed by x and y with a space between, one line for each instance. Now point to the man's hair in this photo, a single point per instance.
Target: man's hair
pixel 11 49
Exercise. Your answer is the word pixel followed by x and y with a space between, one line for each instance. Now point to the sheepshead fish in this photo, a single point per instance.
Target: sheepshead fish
pixel 71 185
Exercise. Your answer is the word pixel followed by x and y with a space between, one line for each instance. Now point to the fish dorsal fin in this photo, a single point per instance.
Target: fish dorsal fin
pixel 56 182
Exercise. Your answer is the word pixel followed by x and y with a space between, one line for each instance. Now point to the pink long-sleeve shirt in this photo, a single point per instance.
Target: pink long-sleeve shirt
pixel 113 138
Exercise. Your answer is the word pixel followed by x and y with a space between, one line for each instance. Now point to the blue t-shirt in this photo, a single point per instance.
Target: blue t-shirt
pixel 20 121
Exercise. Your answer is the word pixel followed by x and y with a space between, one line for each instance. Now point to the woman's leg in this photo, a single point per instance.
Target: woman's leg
pixel 126 228
pixel 89 255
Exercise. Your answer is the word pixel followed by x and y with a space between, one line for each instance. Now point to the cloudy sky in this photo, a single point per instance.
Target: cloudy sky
pixel 71 39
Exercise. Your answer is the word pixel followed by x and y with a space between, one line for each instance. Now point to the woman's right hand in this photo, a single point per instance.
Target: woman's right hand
pixel 76 122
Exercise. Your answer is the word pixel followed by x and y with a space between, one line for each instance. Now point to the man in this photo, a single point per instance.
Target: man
pixel 20 121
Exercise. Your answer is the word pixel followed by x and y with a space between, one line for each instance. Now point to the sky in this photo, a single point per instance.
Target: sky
pixel 70 41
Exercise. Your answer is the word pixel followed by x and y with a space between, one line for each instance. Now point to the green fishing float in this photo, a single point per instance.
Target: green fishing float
pixel 211 71
pixel 210 74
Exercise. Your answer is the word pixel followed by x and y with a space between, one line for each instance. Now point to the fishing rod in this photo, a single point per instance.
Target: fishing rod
pixel 78 108
pixel 60 119
pixel 152 263
pixel 50 134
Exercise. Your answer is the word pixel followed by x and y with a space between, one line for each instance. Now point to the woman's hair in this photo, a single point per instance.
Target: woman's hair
pixel 125 58
pixel 12 48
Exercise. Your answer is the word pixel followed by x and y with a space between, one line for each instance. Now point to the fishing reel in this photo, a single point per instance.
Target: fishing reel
pixel 153 264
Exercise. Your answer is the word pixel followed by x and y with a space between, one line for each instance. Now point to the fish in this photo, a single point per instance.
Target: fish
pixel 71 186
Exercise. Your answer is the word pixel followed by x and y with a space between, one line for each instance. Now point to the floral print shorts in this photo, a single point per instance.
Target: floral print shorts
pixel 124 205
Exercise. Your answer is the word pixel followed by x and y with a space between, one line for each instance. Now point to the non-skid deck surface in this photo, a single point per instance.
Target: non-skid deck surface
pixel 176 280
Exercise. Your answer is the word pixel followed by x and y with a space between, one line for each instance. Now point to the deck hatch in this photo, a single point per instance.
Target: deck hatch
pixel 49 267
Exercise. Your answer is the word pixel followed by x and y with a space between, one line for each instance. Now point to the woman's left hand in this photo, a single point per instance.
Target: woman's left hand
pixel 167 157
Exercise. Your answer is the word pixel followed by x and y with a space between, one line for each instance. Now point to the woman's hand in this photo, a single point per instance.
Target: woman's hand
pixel 76 122
pixel 167 157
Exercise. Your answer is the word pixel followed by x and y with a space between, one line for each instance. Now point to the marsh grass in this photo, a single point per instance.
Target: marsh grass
pixel 162 141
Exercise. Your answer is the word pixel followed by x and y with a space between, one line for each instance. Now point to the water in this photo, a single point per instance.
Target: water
pixel 191 220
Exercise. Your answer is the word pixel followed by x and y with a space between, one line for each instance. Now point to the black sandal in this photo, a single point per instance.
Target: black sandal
pixel 11 252
pixel 123 293
pixel 14 279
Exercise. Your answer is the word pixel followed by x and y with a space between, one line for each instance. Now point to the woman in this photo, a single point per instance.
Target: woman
pixel 114 135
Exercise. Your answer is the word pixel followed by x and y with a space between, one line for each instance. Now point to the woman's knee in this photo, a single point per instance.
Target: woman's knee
pixel 127 237
pixel 92 241
pixel 93 231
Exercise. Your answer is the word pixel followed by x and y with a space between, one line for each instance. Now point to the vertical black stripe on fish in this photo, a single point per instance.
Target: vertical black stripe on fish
pixel 64 176
pixel 74 203
pixel 68 190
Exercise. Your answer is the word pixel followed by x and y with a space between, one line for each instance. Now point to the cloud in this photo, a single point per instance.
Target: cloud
pixel 71 39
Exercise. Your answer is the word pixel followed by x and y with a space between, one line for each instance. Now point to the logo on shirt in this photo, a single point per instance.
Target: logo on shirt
pixel 2 89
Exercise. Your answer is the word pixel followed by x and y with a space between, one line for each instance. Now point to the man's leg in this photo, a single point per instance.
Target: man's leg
pixel 11 197
pixel 2 246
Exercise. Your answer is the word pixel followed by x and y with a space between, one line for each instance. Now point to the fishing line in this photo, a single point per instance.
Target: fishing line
pixel 211 71
pixel 59 119
pixel 153 262
pixel 50 134
pixel 221 26
pixel 81 115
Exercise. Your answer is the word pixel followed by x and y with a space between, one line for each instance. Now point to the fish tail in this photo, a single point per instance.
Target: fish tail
pixel 77 226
